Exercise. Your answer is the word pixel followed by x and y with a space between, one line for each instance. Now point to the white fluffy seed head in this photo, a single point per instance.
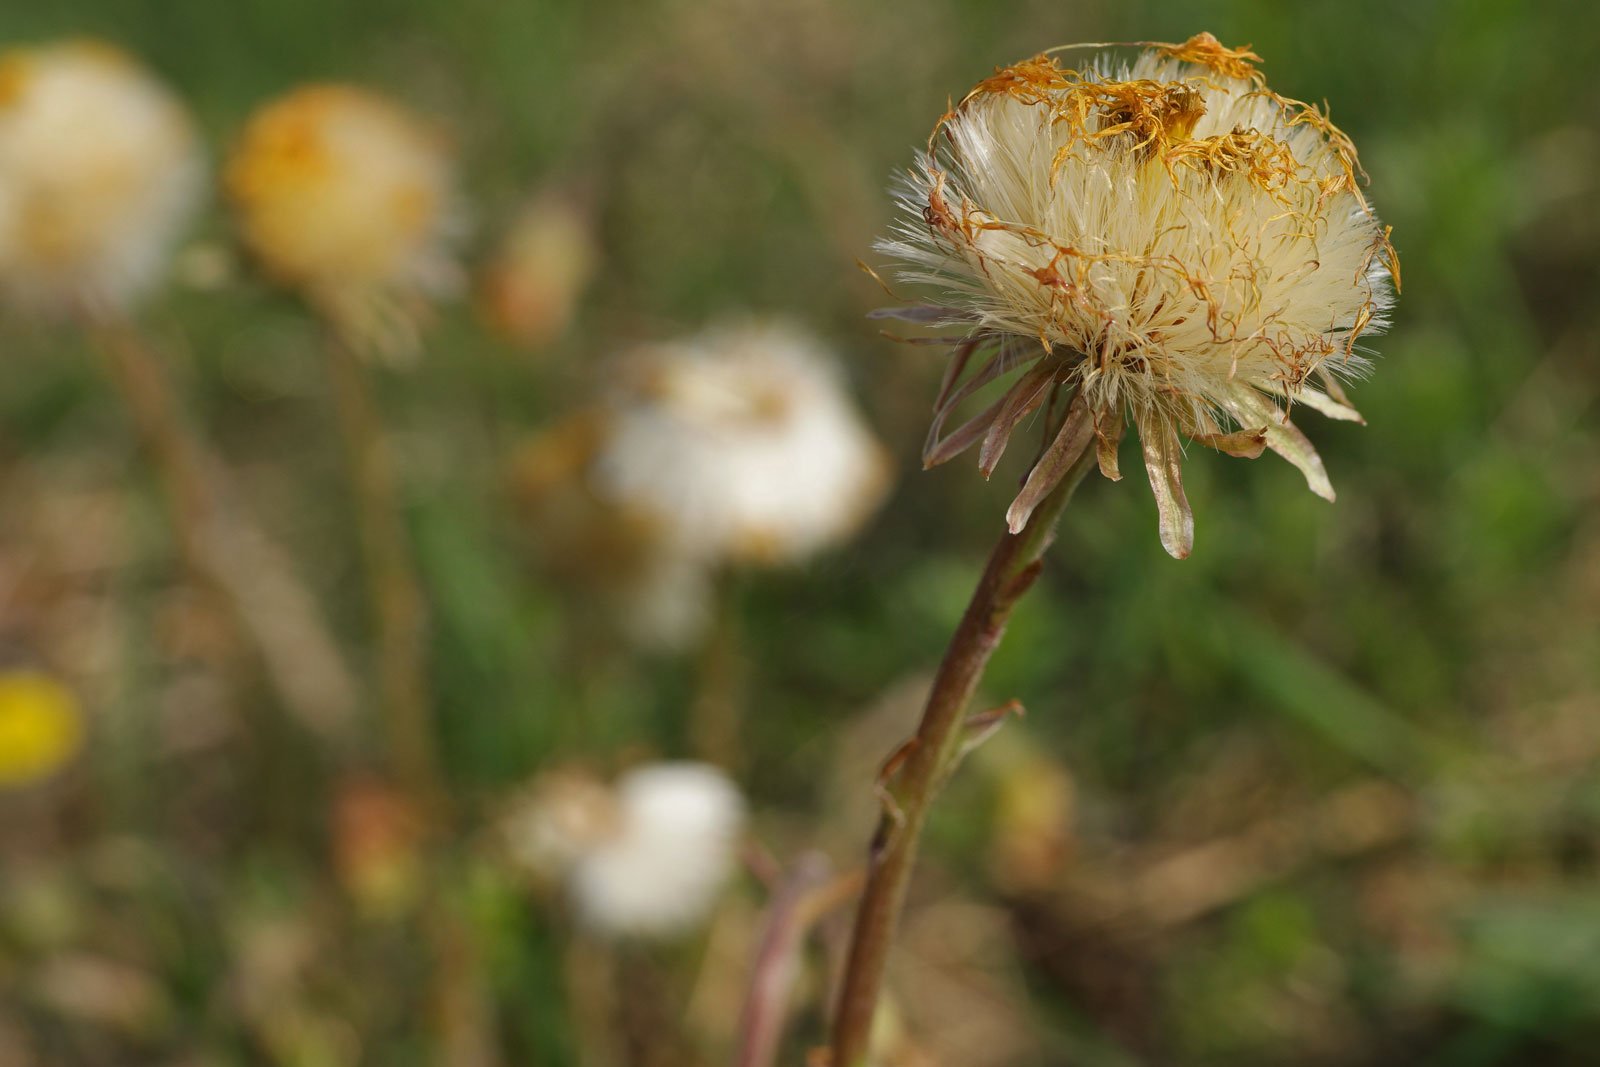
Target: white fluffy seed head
pixel 100 169
pixel 674 846
pixel 646 856
pixel 350 199
pixel 741 445
pixel 1166 238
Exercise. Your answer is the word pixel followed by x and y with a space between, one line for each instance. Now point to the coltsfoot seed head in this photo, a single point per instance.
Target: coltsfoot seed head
pixel 646 856
pixel 678 834
pixel 740 445
pixel 346 197
pixel 1165 240
pixel 100 169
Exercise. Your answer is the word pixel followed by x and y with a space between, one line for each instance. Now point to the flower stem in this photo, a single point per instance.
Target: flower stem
pixel 804 897
pixel 716 712
pixel 222 549
pixel 928 759
pixel 393 587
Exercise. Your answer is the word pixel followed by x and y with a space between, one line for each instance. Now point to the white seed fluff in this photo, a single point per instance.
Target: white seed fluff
pixel 672 850
pixel 1165 240
pixel 100 169
pixel 742 445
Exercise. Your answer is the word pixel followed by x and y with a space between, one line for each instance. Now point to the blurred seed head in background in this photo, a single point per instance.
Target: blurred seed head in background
pixel 741 444
pixel 349 199
pixel 100 169
pixel 646 856
pixel 737 447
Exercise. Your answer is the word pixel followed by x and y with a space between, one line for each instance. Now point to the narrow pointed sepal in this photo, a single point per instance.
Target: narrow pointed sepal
pixel 1020 401
pixel 923 315
pixel 1328 405
pixel 954 368
pixel 943 449
pixel 1162 460
pixel 1069 444
pixel 1283 437
pixel 982 726
pixel 1287 441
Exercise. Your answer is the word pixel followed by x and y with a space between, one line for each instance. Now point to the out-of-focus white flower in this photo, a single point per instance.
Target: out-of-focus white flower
pixel 742 445
pixel 348 198
pixel 547 258
pixel 668 602
pixel 1168 240
pixel 647 857
pixel 99 170
pixel 678 828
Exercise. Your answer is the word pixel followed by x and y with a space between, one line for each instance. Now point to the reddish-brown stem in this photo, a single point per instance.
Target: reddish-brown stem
pixel 804 897
pixel 927 761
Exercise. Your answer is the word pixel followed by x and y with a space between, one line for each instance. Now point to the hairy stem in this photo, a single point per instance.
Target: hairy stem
pixel 395 592
pixel 927 760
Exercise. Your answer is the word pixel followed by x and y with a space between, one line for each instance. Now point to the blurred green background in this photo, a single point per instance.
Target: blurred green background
pixel 1327 792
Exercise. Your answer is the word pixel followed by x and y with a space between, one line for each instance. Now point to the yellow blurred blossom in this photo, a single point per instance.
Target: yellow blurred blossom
pixel 41 727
